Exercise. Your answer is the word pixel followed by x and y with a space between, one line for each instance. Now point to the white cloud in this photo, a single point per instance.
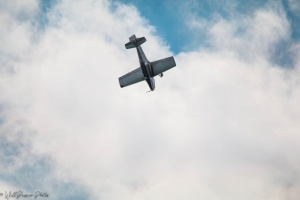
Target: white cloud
pixel 218 126
pixel 253 36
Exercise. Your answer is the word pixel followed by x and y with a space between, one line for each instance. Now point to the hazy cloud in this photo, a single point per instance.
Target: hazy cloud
pixel 294 5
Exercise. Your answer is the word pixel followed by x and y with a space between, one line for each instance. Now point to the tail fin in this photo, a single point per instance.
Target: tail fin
pixel 135 42
pixel 132 38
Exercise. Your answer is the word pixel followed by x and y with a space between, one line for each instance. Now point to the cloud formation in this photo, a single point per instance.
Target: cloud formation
pixel 223 124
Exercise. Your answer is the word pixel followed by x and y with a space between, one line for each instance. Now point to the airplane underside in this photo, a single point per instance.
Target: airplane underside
pixel 147 70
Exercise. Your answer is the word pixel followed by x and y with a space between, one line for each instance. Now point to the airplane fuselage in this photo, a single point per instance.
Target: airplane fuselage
pixel 146 68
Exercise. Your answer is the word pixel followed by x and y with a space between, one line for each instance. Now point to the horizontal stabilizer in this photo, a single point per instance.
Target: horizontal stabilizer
pixel 135 42
pixel 162 65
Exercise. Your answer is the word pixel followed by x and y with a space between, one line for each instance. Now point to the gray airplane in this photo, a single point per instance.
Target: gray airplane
pixel 147 70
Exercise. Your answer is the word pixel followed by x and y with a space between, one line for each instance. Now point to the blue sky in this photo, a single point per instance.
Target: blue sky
pixel 223 124
pixel 170 17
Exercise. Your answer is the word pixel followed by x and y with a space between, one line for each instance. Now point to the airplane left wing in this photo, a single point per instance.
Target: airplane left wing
pixel 132 77
pixel 162 65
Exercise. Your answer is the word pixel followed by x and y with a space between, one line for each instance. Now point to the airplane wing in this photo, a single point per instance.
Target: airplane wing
pixel 132 77
pixel 162 65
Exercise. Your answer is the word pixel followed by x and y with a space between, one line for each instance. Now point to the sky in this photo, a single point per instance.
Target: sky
pixel 223 124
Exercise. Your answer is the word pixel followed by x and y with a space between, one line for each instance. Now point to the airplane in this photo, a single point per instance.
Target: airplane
pixel 147 70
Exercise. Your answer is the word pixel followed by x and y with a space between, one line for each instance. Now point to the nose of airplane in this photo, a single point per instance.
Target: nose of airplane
pixel 152 84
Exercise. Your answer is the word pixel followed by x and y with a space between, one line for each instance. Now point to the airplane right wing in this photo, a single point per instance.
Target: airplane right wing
pixel 162 65
pixel 132 77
